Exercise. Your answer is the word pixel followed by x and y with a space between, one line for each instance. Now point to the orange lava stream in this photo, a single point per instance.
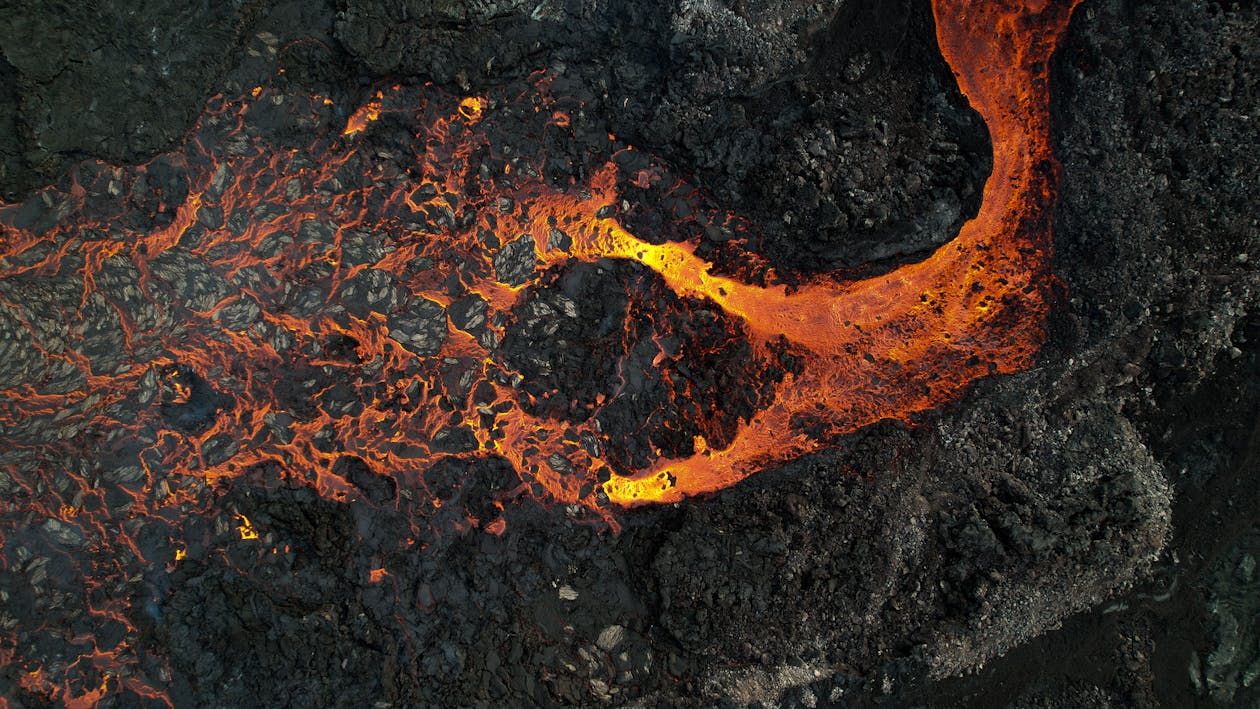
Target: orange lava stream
pixel 887 347
pixel 891 346
pixel 908 341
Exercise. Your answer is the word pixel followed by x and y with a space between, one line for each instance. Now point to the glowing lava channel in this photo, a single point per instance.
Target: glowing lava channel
pixel 908 341
pixel 888 347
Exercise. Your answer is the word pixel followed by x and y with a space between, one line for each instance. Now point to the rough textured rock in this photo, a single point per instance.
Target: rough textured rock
pixel 110 80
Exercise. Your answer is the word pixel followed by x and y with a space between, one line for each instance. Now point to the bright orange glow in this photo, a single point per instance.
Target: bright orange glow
pixel 245 528
pixel 924 331
pixel 368 113
pixel 470 108
pixel 418 229
pixel 892 346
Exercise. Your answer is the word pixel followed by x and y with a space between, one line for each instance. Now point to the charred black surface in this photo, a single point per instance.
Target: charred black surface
pixel 189 403
pixel 872 576
pixel 571 342
pixel 838 120
pixel 114 80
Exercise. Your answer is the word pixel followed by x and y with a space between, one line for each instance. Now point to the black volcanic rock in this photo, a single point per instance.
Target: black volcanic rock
pixel 514 263
pixel 421 329
pixel 189 402
pixel 377 488
pixel 469 313
pixel 877 160
pixel 114 80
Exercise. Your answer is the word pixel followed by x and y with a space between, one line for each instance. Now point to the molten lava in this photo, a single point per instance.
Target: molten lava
pixel 908 341
pixel 292 310
pixel 886 347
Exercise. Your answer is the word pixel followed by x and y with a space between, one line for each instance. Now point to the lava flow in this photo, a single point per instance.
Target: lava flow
pixel 265 257
pixel 911 340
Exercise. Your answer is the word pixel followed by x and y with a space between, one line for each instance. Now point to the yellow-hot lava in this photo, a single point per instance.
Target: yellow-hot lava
pixel 245 529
